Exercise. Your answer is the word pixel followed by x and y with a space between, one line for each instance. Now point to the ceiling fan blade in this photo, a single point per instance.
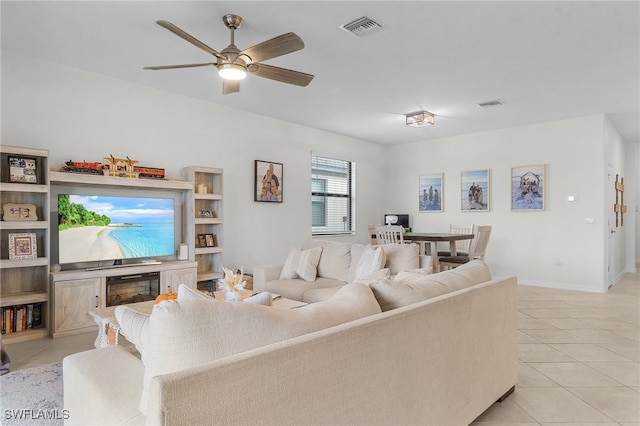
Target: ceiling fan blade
pixel 277 46
pixel 230 86
pixel 281 74
pixel 191 39
pixel 170 67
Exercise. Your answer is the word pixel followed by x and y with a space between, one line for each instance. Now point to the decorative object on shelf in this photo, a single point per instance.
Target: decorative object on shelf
pixel 120 167
pixel 232 283
pixel 268 181
pixel 23 170
pixel 527 188
pixel 475 190
pixel 430 196
pixel 93 168
pixel 14 211
pixel 207 240
pixel 209 214
pixel 620 208
pixel 23 246
pixel 201 188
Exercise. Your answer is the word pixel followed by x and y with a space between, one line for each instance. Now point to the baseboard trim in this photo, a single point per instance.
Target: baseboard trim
pixel 562 286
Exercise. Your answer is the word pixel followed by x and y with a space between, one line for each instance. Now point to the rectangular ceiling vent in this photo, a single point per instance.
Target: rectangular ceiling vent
pixel 494 103
pixel 361 27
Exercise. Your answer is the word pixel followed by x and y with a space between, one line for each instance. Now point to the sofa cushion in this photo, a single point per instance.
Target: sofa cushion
pixel 394 294
pixel 188 332
pixel 302 264
pixel 401 257
pixel 335 259
pixel 372 260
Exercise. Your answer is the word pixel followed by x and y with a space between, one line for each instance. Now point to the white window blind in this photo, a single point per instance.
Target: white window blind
pixel 332 196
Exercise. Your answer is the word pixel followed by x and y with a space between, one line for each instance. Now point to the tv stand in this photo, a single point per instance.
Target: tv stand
pixel 121 265
pixel 75 292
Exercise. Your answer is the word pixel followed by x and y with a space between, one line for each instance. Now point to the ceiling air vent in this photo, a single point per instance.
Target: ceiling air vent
pixel 494 103
pixel 361 27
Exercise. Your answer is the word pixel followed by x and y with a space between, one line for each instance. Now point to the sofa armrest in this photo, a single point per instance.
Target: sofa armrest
pixel 263 274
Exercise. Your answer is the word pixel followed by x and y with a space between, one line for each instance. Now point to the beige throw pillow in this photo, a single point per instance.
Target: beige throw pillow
pixel 372 260
pixel 301 264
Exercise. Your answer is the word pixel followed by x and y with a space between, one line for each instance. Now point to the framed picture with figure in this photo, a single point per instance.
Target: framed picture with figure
pixel 475 191
pixel 528 186
pixel 268 182
pixel 430 195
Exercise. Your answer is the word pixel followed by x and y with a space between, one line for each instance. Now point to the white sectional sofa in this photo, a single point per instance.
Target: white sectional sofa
pixel 433 349
pixel 336 264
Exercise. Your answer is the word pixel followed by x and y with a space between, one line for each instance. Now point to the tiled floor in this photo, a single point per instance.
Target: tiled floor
pixel 579 358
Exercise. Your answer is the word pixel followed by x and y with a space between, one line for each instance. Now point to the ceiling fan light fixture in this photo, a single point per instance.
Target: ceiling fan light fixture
pixel 232 71
pixel 420 119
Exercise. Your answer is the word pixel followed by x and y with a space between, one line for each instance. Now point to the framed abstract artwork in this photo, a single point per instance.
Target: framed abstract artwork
pixel 475 187
pixel 430 195
pixel 268 182
pixel 528 187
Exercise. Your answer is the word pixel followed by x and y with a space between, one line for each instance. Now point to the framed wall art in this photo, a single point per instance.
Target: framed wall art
pixel 14 211
pixel 430 196
pixel 528 185
pixel 23 246
pixel 268 182
pixel 475 187
pixel 23 170
pixel 207 240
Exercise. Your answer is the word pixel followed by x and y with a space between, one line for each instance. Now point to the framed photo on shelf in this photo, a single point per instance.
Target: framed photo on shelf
pixel 475 187
pixel 207 240
pixel 23 246
pixel 14 211
pixel 528 185
pixel 430 195
pixel 23 170
pixel 268 182
pixel 208 214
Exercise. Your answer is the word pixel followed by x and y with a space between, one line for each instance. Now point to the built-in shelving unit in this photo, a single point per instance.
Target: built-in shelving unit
pixel 24 283
pixel 203 213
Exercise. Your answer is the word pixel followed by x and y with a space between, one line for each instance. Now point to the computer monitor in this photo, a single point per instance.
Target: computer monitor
pixel 397 219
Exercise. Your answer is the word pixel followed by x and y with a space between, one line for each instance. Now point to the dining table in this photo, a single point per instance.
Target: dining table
pixel 433 238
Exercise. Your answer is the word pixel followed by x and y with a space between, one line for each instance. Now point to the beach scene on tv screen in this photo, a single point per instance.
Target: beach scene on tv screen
pixel 99 228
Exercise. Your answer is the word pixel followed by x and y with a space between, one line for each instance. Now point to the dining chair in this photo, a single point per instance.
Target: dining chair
pixel 373 236
pixel 477 250
pixel 390 234
pixel 462 246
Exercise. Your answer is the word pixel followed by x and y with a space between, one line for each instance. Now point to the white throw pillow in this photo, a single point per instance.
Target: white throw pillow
pixel 301 264
pixel 412 275
pixel 374 276
pixel 134 326
pixel 372 260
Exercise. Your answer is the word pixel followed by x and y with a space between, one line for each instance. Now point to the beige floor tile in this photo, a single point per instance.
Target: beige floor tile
pixel 539 352
pixel 631 333
pixel 574 374
pixel 542 313
pixel 556 405
pixel 580 313
pixel 533 324
pixel 587 352
pixel 580 424
pixel 507 412
pixel 607 324
pixel 567 323
pixel 627 373
pixel 553 336
pixel 525 338
pixel 621 404
pixel 602 336
pixel 529 377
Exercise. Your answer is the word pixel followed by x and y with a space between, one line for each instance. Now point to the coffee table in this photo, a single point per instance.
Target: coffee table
pixel 109 329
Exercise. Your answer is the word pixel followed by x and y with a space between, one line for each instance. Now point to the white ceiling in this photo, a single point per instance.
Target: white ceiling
pixel 545 60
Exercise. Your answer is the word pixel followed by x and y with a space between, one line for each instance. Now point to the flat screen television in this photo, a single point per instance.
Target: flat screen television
pixel 95 228
pixel 397 219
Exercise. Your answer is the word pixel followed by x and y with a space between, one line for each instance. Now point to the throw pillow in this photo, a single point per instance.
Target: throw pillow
pixel 134 326
pixel 371 260
pixel 335 260
pixel 401 257
pixel 374 276
pixel 395 294
pixel 412 275
pixel 301 264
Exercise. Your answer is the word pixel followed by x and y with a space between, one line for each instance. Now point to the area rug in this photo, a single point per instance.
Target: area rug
pixel 32 396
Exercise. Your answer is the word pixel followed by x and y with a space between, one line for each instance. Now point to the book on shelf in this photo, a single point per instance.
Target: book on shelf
pixel 20 317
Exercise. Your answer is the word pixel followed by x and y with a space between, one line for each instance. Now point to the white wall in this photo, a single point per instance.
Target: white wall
pixel 522 243
pixel 83 116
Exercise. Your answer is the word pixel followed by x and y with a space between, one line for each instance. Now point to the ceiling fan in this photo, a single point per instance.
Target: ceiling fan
pixel 233 64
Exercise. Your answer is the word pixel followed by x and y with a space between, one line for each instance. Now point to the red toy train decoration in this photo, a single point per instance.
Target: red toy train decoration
pixel 97 168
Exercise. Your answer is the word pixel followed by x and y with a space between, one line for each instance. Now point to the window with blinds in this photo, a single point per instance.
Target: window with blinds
pixel 333 184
